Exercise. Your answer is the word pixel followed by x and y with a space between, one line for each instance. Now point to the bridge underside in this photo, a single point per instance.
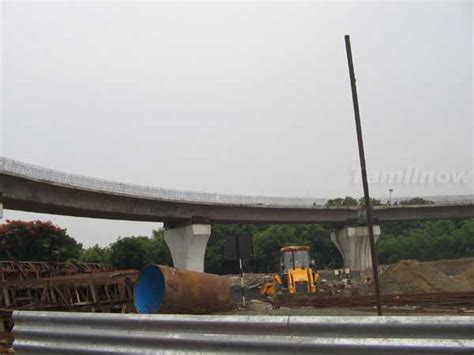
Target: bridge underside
pixel 188 223
pixel 18 193
pixel 34 196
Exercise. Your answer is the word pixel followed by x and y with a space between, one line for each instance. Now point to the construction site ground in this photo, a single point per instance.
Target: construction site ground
pixel 407 287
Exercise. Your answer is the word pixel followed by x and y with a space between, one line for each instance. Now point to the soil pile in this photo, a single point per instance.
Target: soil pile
pixel 466 279
pixel 454 266
pixel 412 276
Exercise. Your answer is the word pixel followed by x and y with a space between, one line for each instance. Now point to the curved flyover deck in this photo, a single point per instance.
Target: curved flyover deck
pixel 33 188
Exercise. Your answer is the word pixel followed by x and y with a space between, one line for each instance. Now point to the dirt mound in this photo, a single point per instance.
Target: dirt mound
pixel 454 266
pixel 413 276
pixel 466 279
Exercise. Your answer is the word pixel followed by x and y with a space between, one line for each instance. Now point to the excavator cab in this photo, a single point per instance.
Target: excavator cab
pixel 296 274
pixel 296 271
pixel 292 258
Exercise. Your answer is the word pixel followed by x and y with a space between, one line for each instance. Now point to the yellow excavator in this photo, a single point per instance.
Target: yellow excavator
pixel 296 273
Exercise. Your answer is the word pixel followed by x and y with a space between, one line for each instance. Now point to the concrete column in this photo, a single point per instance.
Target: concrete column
pixel 354 245
pixel 188 245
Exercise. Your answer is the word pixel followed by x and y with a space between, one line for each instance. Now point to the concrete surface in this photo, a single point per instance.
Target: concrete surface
pixel 36 195
pixel 354 245
pixel 188 245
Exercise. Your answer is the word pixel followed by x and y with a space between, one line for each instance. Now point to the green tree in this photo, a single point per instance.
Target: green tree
pixel 350 202
pixel 416 201
pixel 342 202
pixel 96 254
pixel 158 252
pixel 214 260
pixel 37 241
pixel 136 252
pixel 129 252
pixel 373 202
pixel 269 242
pixel 432 240
pixel 420 240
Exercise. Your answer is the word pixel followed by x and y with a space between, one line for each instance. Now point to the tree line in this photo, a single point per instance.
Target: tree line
pixel 420 240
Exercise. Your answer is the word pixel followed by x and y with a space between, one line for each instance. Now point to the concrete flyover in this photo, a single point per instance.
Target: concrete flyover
pixel 32 188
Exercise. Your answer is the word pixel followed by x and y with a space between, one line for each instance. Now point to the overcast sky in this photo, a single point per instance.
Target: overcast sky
pixel 248 98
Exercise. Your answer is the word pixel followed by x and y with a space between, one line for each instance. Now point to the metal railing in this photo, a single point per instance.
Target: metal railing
pixel 81 333
pixel 17 168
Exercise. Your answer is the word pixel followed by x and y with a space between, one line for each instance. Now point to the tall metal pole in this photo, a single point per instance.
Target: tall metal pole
pixel 241 270
pixel 363 169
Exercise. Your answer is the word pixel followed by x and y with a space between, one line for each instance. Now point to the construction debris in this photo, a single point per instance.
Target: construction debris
pixel 425 300
pixel 96 291
pixel 27 270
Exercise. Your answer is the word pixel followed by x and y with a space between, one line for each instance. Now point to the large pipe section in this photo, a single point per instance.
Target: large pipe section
pixel 164 289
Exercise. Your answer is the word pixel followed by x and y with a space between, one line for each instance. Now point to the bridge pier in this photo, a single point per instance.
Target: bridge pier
pixel 187 245
pixel 354 245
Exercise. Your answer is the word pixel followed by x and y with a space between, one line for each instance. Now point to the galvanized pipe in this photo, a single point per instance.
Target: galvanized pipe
pixel 168 290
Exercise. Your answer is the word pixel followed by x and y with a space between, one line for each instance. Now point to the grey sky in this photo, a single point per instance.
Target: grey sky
pixel 248 98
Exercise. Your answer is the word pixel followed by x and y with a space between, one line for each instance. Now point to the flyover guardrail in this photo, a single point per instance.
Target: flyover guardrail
pixel 30 171
pixel 82 333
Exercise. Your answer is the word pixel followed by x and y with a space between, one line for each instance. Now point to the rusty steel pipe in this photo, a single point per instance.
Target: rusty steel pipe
pixel 165 289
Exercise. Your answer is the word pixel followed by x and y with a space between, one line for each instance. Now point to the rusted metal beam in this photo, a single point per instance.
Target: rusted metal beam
pixel 23 270
pixel 70 292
